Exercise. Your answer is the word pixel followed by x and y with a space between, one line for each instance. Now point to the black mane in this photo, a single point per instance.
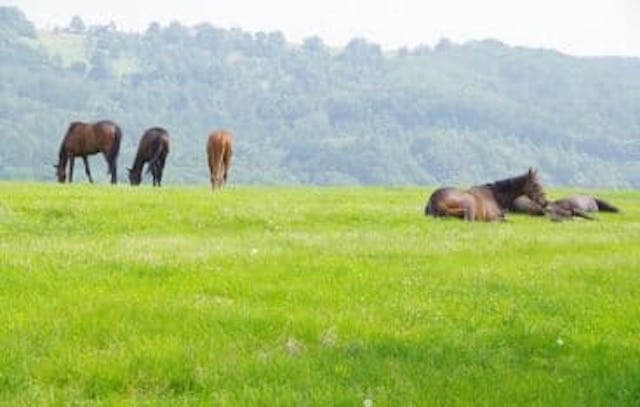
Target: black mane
pixel 507 190
pixel 62 153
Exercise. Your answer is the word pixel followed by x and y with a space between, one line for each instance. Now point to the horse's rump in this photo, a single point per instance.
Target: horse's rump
pixel 219 152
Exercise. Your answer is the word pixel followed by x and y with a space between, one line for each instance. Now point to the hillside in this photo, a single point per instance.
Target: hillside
pixel 307 114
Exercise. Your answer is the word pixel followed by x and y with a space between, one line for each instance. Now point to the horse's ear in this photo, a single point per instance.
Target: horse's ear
pixel 532 172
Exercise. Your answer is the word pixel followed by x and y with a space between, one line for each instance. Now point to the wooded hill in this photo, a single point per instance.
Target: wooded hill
pixel 311 114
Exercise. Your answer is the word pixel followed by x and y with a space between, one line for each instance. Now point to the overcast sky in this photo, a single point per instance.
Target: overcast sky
pixel 578 27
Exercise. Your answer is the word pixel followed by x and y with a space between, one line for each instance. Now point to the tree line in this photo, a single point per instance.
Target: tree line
pixel 313 114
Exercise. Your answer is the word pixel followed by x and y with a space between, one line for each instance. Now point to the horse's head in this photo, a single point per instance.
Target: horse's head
pixel 135 177
pixel 60 173
pixel 533 189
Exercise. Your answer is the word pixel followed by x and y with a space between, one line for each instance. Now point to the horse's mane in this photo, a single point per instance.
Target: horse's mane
pixel 508 185
pixel 507 190
pixel 62 153
pixel 159 130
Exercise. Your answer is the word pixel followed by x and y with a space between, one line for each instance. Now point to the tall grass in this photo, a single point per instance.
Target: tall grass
pixel 310 296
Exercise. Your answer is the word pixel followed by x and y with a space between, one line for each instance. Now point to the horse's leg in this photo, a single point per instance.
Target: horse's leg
pixel 86 168
pixel 469 213
pixel 161 170
pixel 71 160
pixel 112 167
pixel 154 173
pixel 227 166
pixel 582 214
pixel 114 176
pixel 211 171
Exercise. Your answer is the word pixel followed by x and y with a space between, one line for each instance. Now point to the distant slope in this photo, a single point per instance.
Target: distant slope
pixel 309 114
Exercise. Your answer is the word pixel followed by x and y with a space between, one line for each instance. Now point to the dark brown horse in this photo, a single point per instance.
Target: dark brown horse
pixel 153 149
pixel 486 202
pixel 565 208
pixel 84 139
pixel 219 153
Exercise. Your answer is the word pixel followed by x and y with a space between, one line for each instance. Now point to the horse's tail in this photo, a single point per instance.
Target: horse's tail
pixel 220 165
pixel 605 206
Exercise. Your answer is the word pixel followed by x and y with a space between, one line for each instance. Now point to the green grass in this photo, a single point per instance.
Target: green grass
pixel 310 296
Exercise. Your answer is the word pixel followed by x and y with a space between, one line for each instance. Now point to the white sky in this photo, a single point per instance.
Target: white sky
pixel 578 27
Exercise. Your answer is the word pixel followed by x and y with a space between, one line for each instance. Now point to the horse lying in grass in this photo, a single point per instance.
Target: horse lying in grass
pixel 84 139
pixel 486 202
pixel 153 149
pixel 565 208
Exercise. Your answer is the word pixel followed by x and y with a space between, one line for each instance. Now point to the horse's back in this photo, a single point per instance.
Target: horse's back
pixel 89 138
pixel 578 202
pixel 155 136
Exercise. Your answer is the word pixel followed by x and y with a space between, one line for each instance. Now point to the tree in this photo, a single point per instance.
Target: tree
pixel 360 50
pixel 76 26
pixel 100 66
pixel 314 46
pixel 13 20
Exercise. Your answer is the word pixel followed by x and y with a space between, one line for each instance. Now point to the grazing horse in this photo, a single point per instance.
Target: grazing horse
pixel 153 149
pixel 84 139
pixel 560 209
pixel 219 153
pixel 486 202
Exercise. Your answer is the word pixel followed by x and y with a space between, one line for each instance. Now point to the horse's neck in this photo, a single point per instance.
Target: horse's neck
pixel 505 198
pixel 139 161
pixel 62 153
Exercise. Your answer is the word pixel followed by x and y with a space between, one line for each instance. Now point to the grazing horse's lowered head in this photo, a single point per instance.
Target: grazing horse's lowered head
pixel 61 174
pixel 486 202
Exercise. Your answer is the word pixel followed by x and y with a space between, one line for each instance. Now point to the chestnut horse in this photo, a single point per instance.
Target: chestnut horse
pixel 153 149
pixel 486 202
pixel 219 153
pixel 84 139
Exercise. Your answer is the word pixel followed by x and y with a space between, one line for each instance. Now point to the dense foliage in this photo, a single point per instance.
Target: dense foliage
pixel 306 113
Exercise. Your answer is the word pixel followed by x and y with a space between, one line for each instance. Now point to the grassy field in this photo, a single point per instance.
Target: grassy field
pixel 310 296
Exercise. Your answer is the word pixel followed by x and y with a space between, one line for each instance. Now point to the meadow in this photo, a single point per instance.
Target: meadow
pixel 310 296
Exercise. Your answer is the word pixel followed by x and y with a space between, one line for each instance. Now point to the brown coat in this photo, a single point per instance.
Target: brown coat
pixel 219 153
